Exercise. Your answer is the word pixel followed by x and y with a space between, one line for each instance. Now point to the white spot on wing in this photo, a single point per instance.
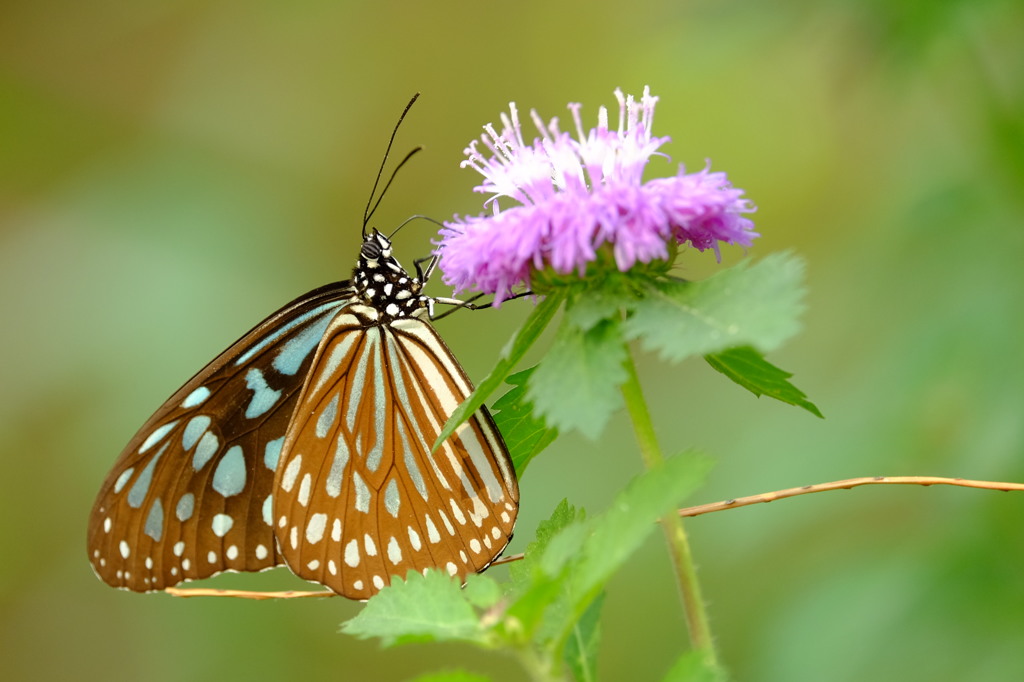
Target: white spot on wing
pixel 352 553
pixel 447 524
pixel 432 533
pixel 315 528
pixel 291 473
pixel 459 516
pixel 221 524
pixel 394 551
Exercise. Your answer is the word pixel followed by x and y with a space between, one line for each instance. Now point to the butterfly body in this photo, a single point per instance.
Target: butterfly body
pixel 307 443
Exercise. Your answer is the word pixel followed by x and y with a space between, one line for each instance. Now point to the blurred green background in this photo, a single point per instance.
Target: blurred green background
pixel 171 172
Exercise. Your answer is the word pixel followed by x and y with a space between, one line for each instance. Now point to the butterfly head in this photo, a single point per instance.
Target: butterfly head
pixel 381 282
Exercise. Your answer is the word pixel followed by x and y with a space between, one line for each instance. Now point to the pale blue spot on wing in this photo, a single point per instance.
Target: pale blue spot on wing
pixel 380 406
pixel 358 378
pixel 326 419
pixel 141 486
pixel 207 448
pixel 272 453
pixel 334 478
pixel 362 493
pixel 196 397
pixel 286 329
pixel 193 430
pixel 155 437
pixel 268 510
pixel 155 520
pixel 229 477
pixel 411 467
pixel 329 364
pixel 123 479
pixel 292 354
pixel 263 397
pixel 186 505
pixel 391 498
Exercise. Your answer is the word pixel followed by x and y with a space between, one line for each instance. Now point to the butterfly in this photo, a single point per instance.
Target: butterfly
pixel 308 443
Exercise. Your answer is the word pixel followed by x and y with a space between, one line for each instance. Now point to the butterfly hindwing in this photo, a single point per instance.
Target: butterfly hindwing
pixel 358 495
pixel 188 497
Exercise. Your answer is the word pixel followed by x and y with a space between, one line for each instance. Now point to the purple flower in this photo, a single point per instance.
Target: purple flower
pixel 576 195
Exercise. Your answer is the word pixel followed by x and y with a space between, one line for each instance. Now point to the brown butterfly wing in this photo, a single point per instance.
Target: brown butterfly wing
pixel 188 497
pixel 358 497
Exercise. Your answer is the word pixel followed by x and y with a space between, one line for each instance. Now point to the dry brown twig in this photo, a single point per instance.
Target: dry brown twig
pixel 697 510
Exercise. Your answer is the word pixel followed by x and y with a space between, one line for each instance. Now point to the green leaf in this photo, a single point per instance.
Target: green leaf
pixel 605 300
pixel 422 608
pixel 576 385
pixel 511 354
pixel 584 642
pixel 749 369
pixel 750 304
pixel 534 593
pixel 526 434
pixel 521 572
pixel 452 676
pixel 578 562
pixel 481 591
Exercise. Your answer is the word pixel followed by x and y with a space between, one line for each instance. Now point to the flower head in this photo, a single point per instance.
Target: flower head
pixel 578 194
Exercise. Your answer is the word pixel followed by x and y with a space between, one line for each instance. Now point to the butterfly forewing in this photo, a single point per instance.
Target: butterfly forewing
pixel 358 495
pixel 188 497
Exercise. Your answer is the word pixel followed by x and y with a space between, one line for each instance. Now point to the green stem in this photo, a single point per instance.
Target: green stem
pixel 539 669
pixel 672 525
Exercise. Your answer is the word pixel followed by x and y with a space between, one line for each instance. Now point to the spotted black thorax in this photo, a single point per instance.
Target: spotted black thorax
pixel 381 282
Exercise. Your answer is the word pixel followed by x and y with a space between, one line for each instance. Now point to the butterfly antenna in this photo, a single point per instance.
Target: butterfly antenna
pixel 412 218
pixel 369 211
